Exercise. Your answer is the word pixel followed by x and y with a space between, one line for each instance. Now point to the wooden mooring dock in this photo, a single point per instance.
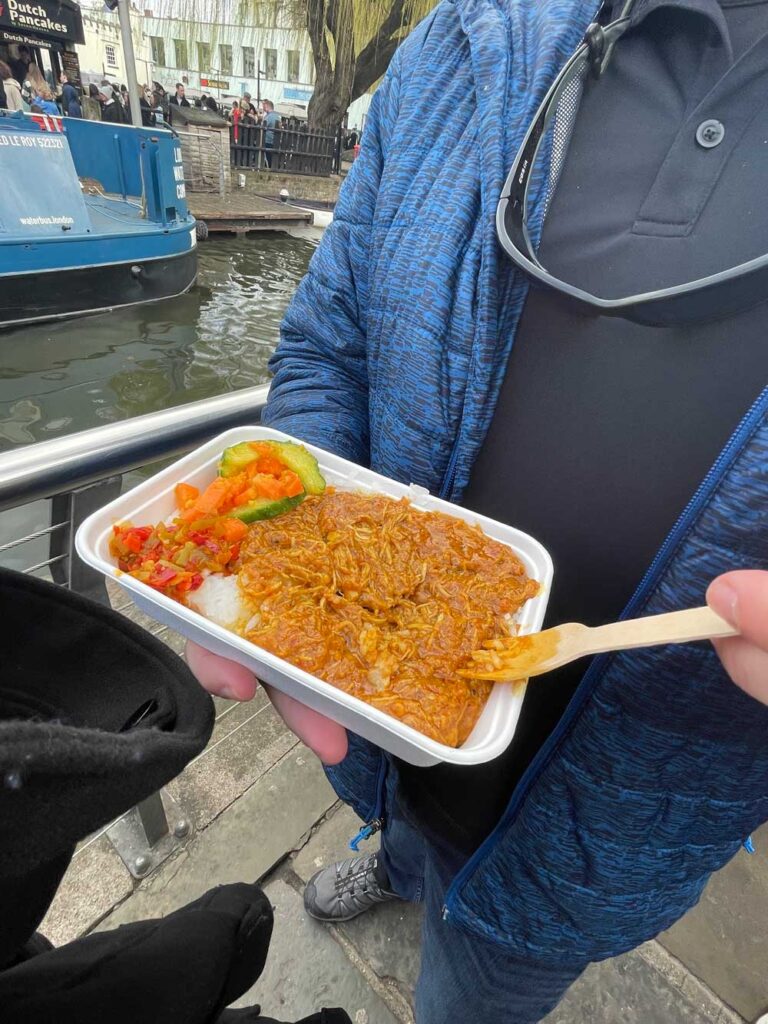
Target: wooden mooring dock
pixel 238 214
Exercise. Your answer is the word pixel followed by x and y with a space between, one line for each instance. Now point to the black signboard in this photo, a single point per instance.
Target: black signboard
pixel 70 65
pixel 28 39
pixel 57 19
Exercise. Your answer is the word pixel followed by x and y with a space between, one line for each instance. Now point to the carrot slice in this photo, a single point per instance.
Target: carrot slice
pixel 185 495
pixel 290 483
pixel 210 501
pixel 263 485
pixel 269 464
pixel 233 529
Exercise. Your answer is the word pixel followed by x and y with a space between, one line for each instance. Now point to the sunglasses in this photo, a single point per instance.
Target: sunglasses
pixel 708 298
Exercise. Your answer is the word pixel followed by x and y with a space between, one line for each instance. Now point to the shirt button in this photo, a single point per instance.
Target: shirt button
pixel 710 133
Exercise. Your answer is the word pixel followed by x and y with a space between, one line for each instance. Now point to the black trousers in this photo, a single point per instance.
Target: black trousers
pixel 182 969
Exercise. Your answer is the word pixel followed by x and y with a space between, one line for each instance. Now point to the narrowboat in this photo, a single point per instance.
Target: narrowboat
pixel 93 216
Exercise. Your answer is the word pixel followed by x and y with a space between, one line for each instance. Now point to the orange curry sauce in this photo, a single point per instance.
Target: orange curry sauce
pixel 384 601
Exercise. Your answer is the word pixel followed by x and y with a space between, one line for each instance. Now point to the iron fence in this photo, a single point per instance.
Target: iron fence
pixel 291 150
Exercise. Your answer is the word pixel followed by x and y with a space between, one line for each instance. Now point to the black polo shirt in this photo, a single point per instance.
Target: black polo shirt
pixel 604 428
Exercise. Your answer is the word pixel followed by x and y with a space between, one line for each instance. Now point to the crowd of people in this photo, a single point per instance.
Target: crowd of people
pixel 202 102
pixel 115 106
pixel 24 86
pixel 244 113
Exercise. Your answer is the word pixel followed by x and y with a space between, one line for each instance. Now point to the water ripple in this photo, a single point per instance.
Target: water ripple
pixel 76 374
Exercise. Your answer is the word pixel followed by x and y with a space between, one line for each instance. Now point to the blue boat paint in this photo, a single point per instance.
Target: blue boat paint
pixel 40 256
pixel 133 214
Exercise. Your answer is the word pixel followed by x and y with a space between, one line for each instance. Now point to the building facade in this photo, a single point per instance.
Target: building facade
pixel 101 56
pixel 212 52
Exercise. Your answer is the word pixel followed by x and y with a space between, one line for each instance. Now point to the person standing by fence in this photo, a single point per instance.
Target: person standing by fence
pixel 270 122
pixel 234 120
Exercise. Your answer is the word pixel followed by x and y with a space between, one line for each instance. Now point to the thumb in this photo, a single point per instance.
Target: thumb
pixel 741 598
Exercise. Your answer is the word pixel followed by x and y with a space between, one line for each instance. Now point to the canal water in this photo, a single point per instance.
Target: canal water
pixel 56 379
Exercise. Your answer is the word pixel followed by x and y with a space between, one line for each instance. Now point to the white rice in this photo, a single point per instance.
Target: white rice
pixel 221 600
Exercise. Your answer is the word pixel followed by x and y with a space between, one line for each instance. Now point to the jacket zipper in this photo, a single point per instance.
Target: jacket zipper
pixel 369 829
pixel 450 473
pixel 736 442
pixel 376 821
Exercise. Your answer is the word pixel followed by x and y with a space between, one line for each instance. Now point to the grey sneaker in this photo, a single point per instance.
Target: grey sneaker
pixel 346 889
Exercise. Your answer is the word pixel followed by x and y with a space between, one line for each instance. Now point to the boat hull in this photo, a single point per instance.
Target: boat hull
pixel 74 291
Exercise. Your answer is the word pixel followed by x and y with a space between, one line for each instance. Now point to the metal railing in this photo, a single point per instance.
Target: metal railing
pixel 78 474
pixel 292 150
pixel 61 465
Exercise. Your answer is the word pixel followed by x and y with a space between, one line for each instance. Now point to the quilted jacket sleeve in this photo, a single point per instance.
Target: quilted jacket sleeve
pixel 320 387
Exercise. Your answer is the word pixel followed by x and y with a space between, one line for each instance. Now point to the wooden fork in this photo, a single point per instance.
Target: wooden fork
pixel 519 657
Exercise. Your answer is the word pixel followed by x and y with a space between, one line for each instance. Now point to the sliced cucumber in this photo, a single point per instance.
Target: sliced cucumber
pixel 265 508
pixel 304 465
pixel 293 456
pixel 235 459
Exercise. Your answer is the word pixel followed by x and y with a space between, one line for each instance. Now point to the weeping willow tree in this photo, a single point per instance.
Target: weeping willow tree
pixel 352 43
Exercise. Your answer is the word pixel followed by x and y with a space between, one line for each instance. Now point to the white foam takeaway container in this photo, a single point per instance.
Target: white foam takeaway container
pixel 153 501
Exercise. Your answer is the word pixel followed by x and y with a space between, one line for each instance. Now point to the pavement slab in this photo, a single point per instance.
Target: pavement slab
pixel 388 937
pixel 723 938
pixel 329 843
pixel 307 969
pixel 95 882
pixel 646 986
pixel 246 742
pixel 242 845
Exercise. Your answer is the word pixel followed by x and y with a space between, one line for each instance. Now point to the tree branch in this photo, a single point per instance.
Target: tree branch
pixel 375 56
pixel 316 31
pixel 332 16
pixel 370 69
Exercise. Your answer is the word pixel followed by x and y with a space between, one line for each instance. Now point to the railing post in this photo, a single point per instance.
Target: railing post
pixel 338 151
pixel 73 508
pixel 144 837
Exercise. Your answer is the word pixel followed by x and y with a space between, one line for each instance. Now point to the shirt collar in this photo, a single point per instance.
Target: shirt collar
pixel 709 9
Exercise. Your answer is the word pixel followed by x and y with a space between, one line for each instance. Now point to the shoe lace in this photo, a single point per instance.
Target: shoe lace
pixel 357 877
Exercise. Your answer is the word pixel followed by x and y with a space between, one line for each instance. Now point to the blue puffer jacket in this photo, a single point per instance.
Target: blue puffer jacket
pixel 392 354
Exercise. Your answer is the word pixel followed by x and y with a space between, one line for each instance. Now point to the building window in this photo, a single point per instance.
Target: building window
pixel 249 62
pixel 203 56
pixel 294 64
pixel 110 55
pixel 182 53
pixel 270 64
pixel 158 50
pixel 225 59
